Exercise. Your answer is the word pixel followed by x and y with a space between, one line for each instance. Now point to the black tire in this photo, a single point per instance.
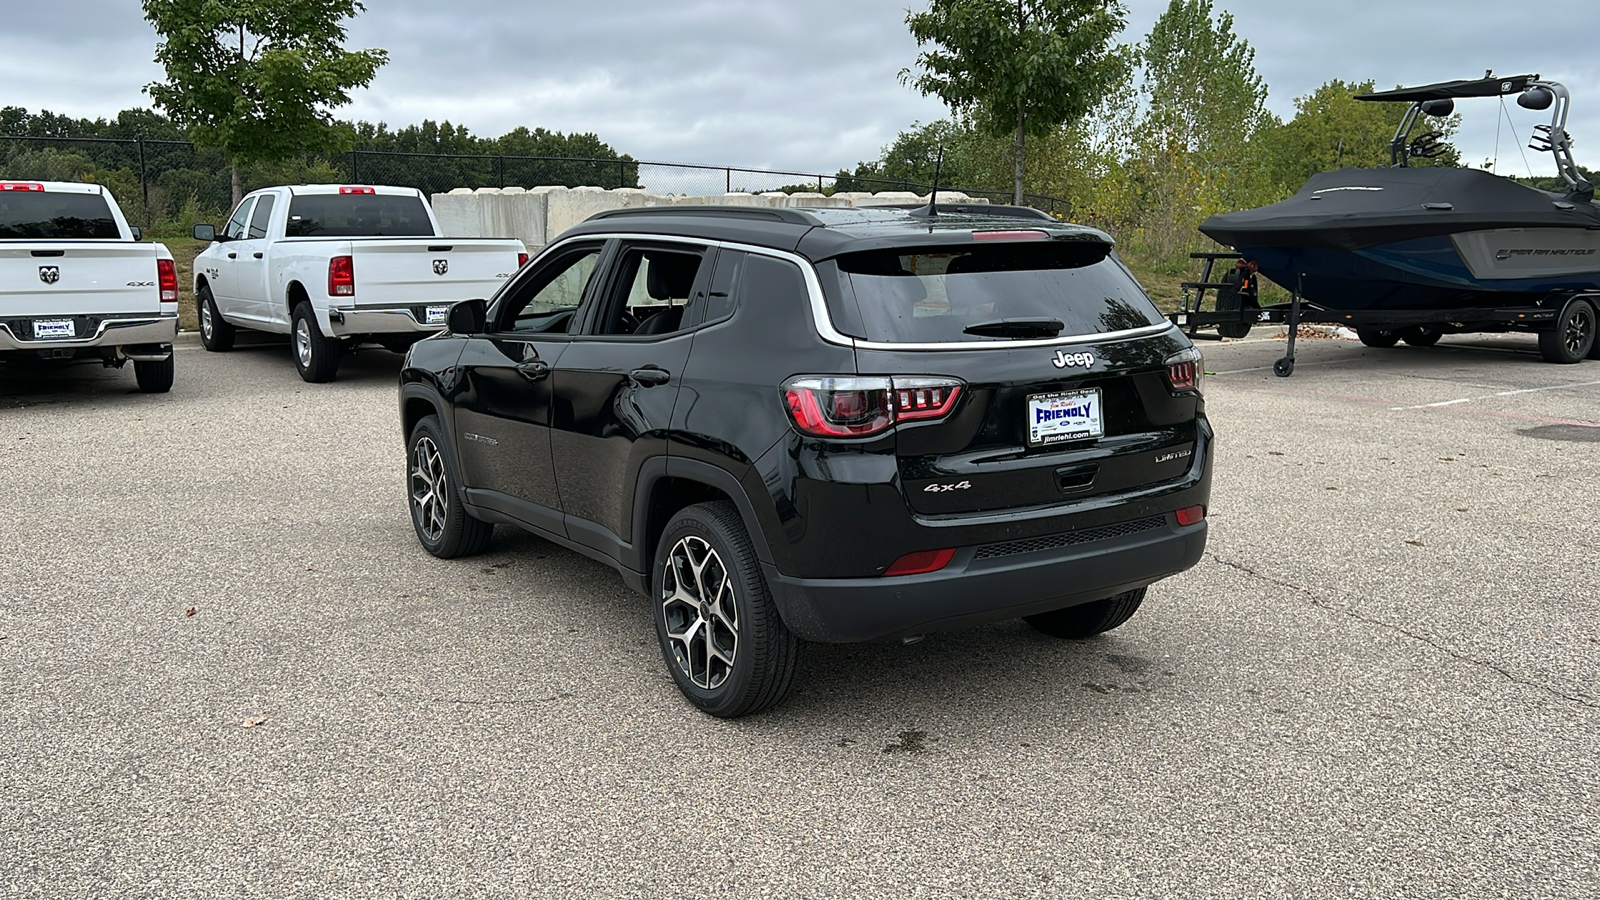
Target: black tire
pixel 216 334
pixel 704 554
pixel 1241 329
pixel 1088 619
pixel 1283 368
pixel 315 355
pixel 1421 336
pixel 1573 337
pixel 154 377
pixel 433 496
pixel 1378 337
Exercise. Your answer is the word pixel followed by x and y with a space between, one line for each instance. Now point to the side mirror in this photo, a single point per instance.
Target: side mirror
pixel 205 233
pixel 137 234
pixel 1441 107
pixel 468 317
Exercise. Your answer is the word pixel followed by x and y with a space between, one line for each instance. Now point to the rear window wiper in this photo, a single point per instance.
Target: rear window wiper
pixel 1017 328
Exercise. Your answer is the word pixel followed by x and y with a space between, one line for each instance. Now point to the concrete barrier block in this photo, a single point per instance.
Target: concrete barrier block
pixel 815 200
pixel 457 213
pixel 566 209
pixel 889 198
pixel 518 214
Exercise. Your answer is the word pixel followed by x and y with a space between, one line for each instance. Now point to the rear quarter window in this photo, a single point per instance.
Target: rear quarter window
pixel 47 215
pixel 933 294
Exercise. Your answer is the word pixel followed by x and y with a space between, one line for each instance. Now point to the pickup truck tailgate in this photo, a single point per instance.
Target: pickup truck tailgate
pixel 438 270
pixel 42 278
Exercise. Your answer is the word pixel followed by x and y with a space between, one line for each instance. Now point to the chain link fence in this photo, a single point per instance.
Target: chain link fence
pixel 171 184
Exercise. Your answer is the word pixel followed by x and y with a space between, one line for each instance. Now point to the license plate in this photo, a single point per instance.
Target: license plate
pixel 1065 416
pixel 50 329
pixel 436 314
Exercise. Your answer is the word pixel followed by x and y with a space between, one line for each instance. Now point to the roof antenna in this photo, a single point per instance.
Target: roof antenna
pixel 933 196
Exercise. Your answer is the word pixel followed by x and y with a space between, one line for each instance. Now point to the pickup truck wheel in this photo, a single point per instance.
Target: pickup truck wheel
pixel 720 633
pixel 154 377
pixel 216 334
pixel 1573 337
pixel 1089 619
pixel 434 496
pixel 316 356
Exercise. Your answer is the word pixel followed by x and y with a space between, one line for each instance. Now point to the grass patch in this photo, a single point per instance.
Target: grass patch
pixel 184 250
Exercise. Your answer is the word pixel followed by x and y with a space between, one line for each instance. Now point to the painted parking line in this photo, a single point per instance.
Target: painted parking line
pixel 1537 390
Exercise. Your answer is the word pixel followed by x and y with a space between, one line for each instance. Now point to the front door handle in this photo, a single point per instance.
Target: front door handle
pixel 256 255
pixel 534 369
pixel 650 376
pixel 233 256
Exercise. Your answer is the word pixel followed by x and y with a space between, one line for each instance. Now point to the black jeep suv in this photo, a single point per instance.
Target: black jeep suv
pixel 787 425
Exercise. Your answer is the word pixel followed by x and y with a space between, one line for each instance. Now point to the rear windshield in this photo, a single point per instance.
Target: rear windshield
pixel 934 295
pixel 357 215
pixel 47 215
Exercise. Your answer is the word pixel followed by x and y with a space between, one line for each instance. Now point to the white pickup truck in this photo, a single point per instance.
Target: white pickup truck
pixel 76 285
pixel 335 266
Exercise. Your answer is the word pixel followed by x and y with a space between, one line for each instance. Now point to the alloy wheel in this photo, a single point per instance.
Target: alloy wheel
pixel 702 617
pixel 206 325
pixel 302 342
pixel 1579 331
pixel 428 486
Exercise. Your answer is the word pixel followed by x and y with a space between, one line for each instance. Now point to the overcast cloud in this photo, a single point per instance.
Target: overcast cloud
pixel 798 86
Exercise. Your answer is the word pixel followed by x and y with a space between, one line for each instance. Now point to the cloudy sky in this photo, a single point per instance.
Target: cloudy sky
pixel 796 85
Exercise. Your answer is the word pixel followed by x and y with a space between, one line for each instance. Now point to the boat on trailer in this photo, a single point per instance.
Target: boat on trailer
pixel 1413 252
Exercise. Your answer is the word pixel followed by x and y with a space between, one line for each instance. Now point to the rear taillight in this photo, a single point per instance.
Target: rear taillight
pixel 921 562
pixel 350 189
pixel 1185 370
pixel 341 277
pixel 848 406
pixel 21 186
pixel 522 260
pixel 167 278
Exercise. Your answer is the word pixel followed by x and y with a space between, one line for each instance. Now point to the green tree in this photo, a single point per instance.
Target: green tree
pixel 258 79
pixel 1017 67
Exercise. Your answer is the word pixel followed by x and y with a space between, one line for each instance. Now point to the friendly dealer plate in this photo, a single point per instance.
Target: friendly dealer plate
pixel 1065 416
pixel 436 314
pixel 53 329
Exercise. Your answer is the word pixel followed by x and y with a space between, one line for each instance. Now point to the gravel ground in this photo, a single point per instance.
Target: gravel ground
pixel 1381 681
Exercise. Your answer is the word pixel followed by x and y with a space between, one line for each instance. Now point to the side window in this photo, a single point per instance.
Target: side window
pixel 259 219
pixel 651 290
pixel 235 229
pixel 724 283
pixel 548 302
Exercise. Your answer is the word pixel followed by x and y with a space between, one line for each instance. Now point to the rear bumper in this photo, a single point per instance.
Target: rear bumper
pixel 399 319
pixel 108 332
pixel 972 590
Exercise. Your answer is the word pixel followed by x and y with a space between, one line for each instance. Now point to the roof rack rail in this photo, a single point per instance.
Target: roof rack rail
pixel 790 215
pixel 976 209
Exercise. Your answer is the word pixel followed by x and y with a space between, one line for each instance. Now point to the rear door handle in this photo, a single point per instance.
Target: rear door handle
pixel 256 255
pixel 650 376
pixel 233 256
pixel 534 370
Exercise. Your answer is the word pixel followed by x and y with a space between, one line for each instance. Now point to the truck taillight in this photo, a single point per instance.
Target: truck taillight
pixel 848 407
pixel 522 260
pixel 341 277
pixel 21 186
pixel 167 279
pixel 1185 370
pixel 354 189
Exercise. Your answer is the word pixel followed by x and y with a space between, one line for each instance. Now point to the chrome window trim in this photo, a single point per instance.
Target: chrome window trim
pixel 823 322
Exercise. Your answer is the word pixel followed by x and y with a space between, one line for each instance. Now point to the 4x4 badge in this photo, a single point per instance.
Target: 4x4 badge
pixel 441 266
pixel 1065 360
pixel 49 274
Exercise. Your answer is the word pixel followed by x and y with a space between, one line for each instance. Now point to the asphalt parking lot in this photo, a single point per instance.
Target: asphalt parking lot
pixel 1380 682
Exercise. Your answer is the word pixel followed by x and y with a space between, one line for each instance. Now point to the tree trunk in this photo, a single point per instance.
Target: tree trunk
pixel 238 188
pixel 1017 182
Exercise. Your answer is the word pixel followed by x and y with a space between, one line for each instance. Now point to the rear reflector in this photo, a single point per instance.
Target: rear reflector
pixel 921 562
pixel 21 186
pixel 357 190
pixel 1192 515
pixel 1029 235
pixel 167 278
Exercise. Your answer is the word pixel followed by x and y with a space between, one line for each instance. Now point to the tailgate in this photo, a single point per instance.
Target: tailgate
pixel 433 270
pixel 46 278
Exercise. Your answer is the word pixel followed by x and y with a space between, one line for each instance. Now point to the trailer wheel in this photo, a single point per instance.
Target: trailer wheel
pixel 1377 337
pixel 1573 337
pixel 1421 336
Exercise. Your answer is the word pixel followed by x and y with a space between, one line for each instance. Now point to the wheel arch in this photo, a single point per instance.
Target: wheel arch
pixel 669 485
